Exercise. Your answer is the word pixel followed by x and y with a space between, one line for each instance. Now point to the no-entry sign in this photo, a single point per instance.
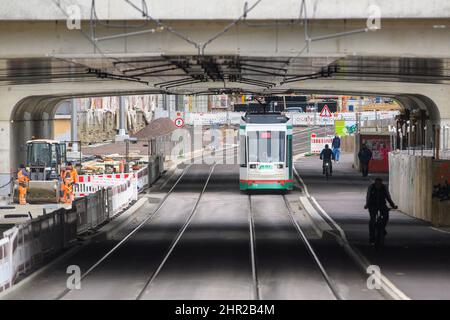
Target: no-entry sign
pixel 179 122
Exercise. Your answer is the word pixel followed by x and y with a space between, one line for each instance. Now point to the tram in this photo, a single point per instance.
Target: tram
pixel 265 152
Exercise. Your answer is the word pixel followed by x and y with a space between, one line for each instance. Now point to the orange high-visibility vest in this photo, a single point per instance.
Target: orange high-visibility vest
pixel 73 174
pixel 22 178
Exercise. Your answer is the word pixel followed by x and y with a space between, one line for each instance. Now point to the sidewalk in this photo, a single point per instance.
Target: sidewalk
pixel 416 257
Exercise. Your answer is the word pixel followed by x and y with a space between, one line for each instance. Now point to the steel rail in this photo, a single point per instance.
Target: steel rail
pixel 257 295
pixel 160 205
pixel 311 251
pixel 150 280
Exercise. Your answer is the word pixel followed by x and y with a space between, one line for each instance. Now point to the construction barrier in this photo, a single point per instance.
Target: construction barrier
pixel 100 198
pixel 27 244
pixel 318 143
pixel 5 264
pixel 92 210
pixel 88 184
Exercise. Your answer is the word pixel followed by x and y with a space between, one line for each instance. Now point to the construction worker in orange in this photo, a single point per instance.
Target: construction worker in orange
pixel 73 172
pixel 69 177
pixel 22 178
pixel 67 187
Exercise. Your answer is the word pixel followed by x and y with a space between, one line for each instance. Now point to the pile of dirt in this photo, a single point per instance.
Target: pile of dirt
pixel 156 128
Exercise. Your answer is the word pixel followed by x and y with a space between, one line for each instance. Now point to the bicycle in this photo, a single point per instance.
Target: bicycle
pixel 380 225
pixel 326 166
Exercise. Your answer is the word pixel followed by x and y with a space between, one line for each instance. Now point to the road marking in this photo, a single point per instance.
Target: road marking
pixel 440 230
pixel 319 224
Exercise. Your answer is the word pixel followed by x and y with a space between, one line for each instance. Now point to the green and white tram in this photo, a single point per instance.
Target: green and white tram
pixel 265 143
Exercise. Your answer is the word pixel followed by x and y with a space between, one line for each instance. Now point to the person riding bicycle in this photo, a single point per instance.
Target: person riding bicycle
pixel 377 195
pixel 327 155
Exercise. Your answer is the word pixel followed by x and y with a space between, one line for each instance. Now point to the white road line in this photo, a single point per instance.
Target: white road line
pixel 319 225
pixel 440 230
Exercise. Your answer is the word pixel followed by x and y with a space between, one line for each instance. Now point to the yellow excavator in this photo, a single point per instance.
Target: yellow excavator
pixel 45 159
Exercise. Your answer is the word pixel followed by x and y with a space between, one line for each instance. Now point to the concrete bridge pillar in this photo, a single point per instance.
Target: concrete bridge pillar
pixel 122 134
pixel 74 126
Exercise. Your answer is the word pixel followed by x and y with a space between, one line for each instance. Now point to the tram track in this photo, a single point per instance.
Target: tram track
pixel 150 280
pixel 301 234
pixel 139 226
pixel 251 221
pixel 311 250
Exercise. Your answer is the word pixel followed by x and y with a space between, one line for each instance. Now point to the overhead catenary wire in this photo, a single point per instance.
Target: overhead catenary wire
pixel 97 49
pixel 119 26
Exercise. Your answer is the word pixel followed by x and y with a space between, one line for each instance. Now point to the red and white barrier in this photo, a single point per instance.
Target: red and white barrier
pixel 5 264
pixel 318 143
pixel 16 254
pixel 124 187
pixel 88 184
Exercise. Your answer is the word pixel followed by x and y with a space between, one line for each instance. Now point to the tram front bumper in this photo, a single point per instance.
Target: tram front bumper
pixel 266 184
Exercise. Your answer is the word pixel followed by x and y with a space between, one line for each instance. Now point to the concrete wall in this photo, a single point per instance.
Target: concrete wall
pixel 61 126
pixel 348 143
pixel 411 180
pixel 225 10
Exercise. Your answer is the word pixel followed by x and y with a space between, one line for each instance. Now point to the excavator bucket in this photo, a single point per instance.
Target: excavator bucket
pixel 40 192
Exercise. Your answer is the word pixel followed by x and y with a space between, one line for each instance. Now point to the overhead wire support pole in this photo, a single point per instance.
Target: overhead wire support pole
pixel 160 24
pixel 337 35
pixel 124 35
pixel 305 23
pixel 228 27
pixel 96 47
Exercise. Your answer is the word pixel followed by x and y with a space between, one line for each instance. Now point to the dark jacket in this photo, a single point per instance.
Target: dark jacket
pixel 336 144
pixel 326 155
pixel 365 155
pixel 376 198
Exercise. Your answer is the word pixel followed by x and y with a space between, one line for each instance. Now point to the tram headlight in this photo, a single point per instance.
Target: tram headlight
pixel 280 166
pixel 253 166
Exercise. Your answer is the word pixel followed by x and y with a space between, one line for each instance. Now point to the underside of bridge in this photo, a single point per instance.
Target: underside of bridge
pixel 37 85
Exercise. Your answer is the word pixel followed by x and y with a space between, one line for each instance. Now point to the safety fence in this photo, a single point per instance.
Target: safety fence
pixel 25 245
pixel 318 143
pixel 303 118
pixel 93 209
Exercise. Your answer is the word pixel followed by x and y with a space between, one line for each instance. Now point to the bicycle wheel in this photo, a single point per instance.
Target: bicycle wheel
pixel 379 234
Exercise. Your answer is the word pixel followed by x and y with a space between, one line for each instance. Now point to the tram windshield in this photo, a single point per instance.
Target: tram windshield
pixel 266 146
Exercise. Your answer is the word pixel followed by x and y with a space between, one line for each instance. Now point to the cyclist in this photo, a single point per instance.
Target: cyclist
pixel 327 155
pixel 377 195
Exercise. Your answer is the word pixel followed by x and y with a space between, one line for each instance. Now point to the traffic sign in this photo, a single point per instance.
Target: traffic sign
pixel 325 112
pixel 313 135
pixel 179 122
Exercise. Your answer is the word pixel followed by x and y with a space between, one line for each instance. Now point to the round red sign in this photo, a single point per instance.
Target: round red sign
pixel 179 122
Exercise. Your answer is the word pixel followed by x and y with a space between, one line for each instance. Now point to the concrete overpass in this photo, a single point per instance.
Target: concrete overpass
pixel 398 49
